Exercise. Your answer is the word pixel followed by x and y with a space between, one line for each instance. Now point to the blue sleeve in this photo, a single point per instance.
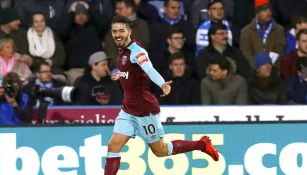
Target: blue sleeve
pixel 153 74
pixel 147 67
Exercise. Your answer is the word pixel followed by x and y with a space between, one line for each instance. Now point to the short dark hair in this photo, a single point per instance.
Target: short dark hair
pixel 222 62
pixel 129 3
pixel 300 33
pixel 211 2
pixel 301 62
pixel 214 28
pixel 38 13
pixel 298 19
pixel 166 2
pixel 176 56
pixel 121 19
pixel 40 64
pixel 172 30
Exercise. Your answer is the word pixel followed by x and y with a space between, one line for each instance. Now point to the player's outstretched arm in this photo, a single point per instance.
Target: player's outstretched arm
pixel 152 73
pixel 166 88
pixel 143 61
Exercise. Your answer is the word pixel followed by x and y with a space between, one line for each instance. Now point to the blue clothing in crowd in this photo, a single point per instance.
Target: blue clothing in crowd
pixel 8 115
pixel 202 38
pixel 297 90
pixel 290 41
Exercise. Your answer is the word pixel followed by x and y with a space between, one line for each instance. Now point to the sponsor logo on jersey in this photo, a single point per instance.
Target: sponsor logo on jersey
pixel 142 58
pixel 124 75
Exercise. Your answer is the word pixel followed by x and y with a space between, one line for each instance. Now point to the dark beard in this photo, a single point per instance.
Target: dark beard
pixel 124 43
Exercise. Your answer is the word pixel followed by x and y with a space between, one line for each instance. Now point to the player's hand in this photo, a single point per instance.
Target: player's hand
pixel 166 88
pixel 115 75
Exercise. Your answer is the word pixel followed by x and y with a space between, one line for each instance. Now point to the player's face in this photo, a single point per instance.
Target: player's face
pixel 39 23
pixel 302 44
pixel 216 11
pixel 216 73
pixel 44 74
pixel 121 34
pixel 178 67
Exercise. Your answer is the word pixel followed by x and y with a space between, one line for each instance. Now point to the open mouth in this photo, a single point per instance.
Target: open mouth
pixel 119 38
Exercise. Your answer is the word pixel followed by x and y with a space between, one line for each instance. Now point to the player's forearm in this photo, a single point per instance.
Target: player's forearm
pixel 154 76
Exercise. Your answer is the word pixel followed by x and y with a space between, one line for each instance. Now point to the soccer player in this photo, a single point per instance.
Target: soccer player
pixel 140 109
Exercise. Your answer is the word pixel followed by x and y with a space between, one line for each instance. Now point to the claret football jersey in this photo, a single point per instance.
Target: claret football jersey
pixel 138 98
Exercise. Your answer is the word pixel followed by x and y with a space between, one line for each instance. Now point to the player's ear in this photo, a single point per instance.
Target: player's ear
pixel 129 31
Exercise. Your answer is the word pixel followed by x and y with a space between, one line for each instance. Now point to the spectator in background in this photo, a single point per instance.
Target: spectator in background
pixel 299 24
pixel 185 89
pixel 285 10
pixel 216 16
pixel 187 5
pixel 10 61
pixel 5 4
pixel 140 28
pixel 146 11
pixel 265 85
pixel 222 85
pixel 95 87
pixel 45 45
pixel 175 43
pixel 44 80
pixel 171 17
pixel 297 85
pixel 200 10
pixel 15 105
pixel 218 46
pixel 288 65
pixel 101 11
pixel 243 13
pixel 53 10
pixel 263 34
pixel 10 28
pixel 81 39
pixel 17 3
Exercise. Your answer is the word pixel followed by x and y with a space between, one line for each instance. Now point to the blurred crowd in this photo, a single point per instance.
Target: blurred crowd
pixel 215 51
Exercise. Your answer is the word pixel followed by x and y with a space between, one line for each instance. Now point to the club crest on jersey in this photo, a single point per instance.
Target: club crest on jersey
pixel 142 58
pixel 124 60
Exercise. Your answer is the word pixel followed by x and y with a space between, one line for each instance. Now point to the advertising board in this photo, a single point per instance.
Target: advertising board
pixel 107 114
pixel 254 149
